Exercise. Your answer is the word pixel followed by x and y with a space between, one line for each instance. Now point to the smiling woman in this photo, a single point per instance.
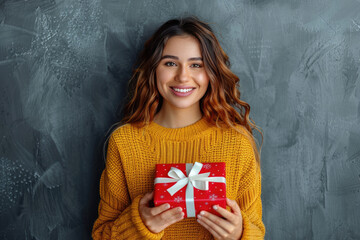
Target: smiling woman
pixel 182 81
pixel 182 109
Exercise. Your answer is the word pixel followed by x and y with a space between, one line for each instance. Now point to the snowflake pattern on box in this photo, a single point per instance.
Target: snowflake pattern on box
pixel 178 199
pixel 213 197
pixel 206 166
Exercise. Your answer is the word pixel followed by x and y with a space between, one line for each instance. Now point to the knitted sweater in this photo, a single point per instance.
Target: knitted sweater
pixel 130 169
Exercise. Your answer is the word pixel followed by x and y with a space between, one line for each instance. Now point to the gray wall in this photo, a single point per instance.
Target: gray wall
pixel 64 66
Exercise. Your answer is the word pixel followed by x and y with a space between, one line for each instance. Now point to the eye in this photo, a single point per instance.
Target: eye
pixel 170 64
pixel 196 65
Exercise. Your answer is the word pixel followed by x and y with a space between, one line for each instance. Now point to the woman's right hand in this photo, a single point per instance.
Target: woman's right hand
pixel 158 218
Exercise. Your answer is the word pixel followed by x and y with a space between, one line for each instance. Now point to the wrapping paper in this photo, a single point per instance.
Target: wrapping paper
pixel 193 187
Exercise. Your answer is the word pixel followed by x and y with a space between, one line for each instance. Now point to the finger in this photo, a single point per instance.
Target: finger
pixel 170 216
pixel 146 198
pixel 174 213
pixel 172 221
pixel 234 206
pixel 212 231
pixel 159 209
pixel 218 224
pixel 231 217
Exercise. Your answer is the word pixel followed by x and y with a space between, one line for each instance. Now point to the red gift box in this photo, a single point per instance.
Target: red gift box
pixel 193 187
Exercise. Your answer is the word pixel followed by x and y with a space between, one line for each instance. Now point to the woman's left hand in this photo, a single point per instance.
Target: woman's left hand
pixel 229 228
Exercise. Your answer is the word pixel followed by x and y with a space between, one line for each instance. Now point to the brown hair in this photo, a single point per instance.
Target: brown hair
pixel 222 97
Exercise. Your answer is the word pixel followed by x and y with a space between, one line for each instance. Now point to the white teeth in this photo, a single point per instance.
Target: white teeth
pixel 182 90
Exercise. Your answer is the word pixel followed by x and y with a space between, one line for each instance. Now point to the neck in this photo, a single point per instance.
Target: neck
pixel 177 118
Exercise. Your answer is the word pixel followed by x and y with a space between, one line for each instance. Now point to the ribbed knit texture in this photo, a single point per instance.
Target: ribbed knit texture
pixel 130 171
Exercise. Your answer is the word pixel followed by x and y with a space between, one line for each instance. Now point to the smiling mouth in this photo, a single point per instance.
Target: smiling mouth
pixel 182 90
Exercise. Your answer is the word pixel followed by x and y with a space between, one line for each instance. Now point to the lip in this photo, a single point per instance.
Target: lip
pixel 182 87
pixel 182 94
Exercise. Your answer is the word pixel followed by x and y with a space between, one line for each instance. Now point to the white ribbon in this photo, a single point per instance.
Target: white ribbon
pixel 194 180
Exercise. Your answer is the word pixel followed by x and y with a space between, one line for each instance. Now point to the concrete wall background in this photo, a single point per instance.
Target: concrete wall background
pixel 64 66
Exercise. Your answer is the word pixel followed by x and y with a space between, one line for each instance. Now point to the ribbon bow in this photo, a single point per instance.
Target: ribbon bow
pixel 194 180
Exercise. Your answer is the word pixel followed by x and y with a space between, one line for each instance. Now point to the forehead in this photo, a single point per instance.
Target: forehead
pixel 182 46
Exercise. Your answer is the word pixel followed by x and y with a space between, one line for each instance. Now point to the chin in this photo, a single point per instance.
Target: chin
pixel 183 106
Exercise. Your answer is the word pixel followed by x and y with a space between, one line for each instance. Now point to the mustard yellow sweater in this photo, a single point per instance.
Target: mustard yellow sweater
pixel 129 174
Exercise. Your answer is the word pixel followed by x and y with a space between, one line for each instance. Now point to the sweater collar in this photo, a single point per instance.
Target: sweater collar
pixel 182 133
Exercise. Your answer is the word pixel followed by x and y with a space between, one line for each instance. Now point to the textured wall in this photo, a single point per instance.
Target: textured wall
pixel 64 67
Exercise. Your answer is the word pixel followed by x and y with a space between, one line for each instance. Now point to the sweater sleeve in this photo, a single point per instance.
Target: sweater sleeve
pixel 249 194
pixel 118 214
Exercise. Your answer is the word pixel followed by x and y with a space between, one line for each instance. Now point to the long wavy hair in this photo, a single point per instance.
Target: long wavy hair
pixel 221 104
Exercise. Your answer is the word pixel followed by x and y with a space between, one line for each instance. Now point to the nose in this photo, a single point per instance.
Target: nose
pixel 183 74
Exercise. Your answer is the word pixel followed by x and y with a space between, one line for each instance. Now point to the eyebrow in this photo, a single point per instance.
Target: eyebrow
pixel 175 57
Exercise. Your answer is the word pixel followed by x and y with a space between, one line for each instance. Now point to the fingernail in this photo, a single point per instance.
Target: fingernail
pixel 202 213
pixel 167 206
pixel 199 216
pixel 215 207
pixel 179 209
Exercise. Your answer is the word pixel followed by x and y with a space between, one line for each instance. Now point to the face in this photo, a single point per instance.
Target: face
pixel 180 76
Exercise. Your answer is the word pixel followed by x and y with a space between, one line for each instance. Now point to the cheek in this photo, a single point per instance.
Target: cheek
pixel 158 78
pixel 203 80
pixel 159 86
pixel 160 81
pixel 163 76
pixel 204 84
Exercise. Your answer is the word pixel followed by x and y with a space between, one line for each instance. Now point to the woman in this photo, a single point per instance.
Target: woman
pixel 182 110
